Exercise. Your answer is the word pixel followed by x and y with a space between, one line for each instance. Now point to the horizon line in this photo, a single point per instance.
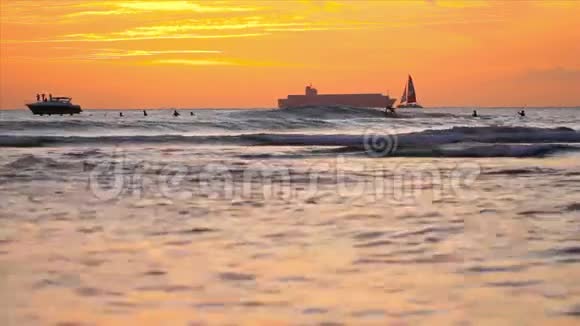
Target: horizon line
pixel 276 108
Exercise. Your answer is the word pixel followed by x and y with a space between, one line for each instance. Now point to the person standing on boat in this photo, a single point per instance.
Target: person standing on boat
pixel 43 97
pixel 50 97
pixel 37 97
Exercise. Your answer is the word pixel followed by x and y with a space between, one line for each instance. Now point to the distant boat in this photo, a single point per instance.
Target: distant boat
pixel 311 98
pixel 54 105
pixel 409 98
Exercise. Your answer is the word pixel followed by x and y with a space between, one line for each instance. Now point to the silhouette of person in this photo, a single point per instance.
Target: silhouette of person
pixel 390 112
pixel 522 113
pixel 475 115
pixel 191 114
pixel 144 113
pixel 50 97
pixel 37 97
pixel 175 113
pixel 120 114
pixel 43 97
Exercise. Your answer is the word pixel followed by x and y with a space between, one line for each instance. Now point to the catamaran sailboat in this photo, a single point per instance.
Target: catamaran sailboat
pixel 409 98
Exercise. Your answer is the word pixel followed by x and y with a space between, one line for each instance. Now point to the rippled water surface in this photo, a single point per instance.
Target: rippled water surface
pixel 268 217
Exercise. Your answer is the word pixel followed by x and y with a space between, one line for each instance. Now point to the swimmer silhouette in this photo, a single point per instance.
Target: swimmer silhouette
pixel 175 113
pixel 522 113
pixel 120 114
pixel 475 115
pixel 144 113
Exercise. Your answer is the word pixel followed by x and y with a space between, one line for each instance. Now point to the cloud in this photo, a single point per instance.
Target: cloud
pixel 180 29
pixel 134 7
pixel 101 13
pixel 89 37
pixel 220 62
pixel 117 54
pixel 170 27
pixel 313 29
pixel 178 6
pixel 110 54
pixel 196 62
pixel 253 26
pixel 203 25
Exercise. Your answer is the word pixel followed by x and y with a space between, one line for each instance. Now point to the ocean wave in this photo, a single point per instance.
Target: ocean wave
pixel 472 150
pixel 573 207
pixel 432 137
pixel 476 151
pixel 453 142
pixel 501 150
pixel 521 171
pixel 29 160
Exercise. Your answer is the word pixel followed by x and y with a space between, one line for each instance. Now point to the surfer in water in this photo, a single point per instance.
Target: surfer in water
pixel 191 114
pixel 144 113
pixel 175 113
pixel 474 114
pixel 390 112
pixel 121 114
pixel 522 113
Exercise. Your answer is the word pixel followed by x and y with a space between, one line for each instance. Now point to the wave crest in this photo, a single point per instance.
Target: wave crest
pixel 457 141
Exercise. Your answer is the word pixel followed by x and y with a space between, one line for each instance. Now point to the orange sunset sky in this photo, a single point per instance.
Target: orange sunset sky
pixel 147 54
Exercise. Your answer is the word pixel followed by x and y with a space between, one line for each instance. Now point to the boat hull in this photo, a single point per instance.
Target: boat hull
pixel 54 108
pixel 327 100
pixel 409 106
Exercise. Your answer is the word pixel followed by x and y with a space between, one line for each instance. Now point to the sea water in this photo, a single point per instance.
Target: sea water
pixel 301 216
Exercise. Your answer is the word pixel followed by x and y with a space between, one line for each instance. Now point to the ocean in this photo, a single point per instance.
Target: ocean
pixel 312 216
